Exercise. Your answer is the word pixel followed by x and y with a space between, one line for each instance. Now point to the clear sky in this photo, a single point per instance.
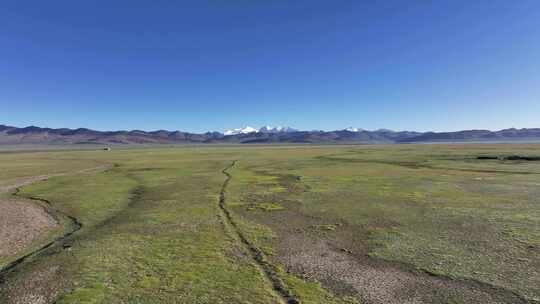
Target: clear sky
pixel 212 65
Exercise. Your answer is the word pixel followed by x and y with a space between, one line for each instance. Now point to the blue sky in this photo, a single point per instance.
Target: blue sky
pixel 213 65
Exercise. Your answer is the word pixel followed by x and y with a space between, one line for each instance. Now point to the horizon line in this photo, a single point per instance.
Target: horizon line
pixel 296 130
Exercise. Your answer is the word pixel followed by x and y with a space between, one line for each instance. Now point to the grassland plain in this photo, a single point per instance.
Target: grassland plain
pixel 26 223
pixel 400 224
pixel 331 224
pixel 152 232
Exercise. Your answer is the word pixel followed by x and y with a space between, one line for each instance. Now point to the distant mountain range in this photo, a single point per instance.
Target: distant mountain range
pixel 36 135
pixel 265 129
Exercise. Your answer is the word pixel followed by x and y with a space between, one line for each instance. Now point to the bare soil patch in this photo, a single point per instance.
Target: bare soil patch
pixel 338 259
pixel 21 223
pixel 42 285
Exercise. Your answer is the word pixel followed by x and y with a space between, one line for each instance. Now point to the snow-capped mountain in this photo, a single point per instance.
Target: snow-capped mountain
pixel 279 129
pixel 265 129
pixel 245 130
pixel 36 135
pixel 352 129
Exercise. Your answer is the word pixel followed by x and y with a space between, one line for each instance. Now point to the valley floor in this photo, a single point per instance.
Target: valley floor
pixel 271 224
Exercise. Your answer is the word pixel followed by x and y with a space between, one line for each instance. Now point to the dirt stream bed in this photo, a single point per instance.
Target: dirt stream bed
pixel 21 221
pixel 339 261
pixel 24 221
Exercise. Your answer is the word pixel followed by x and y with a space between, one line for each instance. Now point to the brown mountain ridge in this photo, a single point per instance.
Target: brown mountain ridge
pixel 65 136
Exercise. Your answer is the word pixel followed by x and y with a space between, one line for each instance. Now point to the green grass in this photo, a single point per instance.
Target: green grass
pixel 434 207
pixel 153 233
pixel 265 206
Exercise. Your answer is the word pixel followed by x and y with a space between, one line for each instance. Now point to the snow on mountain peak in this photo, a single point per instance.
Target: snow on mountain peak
pixel 236 131
pixel 265 129
pixel 278 129
pixel 351 129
